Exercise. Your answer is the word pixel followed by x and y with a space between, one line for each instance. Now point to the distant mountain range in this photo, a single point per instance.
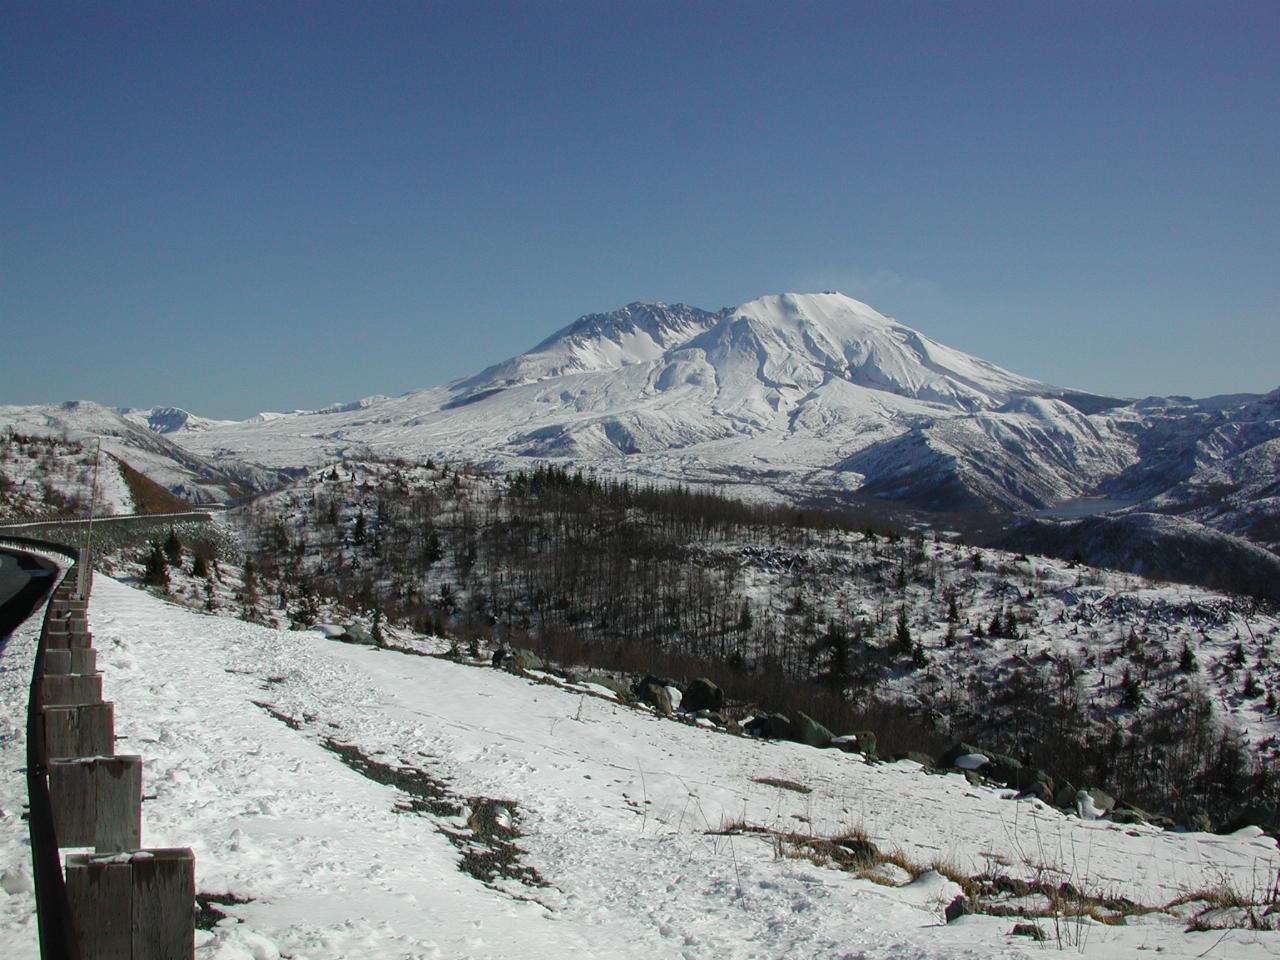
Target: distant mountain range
pixel 803 398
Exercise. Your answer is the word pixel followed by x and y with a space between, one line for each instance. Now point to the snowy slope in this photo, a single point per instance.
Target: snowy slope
pixel 148 450
pixel 171 420
pixel 48 476
pixel 617 811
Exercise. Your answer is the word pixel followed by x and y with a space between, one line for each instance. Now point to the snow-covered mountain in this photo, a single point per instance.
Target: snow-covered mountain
pixel 142 440
pixel 171 420
pixel 791 396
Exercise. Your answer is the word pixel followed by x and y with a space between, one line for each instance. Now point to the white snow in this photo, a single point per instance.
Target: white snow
pixel 620 813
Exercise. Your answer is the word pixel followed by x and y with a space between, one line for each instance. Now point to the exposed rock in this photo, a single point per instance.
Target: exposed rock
pixel 810 732
pixel 1101 799
pixel 702 694
pixel 770 726
pixel 654 693
pixel 1034 782
pixel 956 750
pixel 1003 769
pixel 1029 930
pixel 354 633
pixel 957 908
pixel 1127 815
pixel 857 850
pixel 1065 797
pixel 1199 821
pixel 516 659
pixel 525 660
pixel 917 756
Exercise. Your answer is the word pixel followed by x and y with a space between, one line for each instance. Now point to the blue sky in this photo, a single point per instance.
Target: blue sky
pixel 241 206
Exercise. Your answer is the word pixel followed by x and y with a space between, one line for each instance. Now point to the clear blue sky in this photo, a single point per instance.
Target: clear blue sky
pixel 241 206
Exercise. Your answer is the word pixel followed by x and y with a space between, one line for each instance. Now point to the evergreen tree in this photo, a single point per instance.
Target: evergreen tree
pixel 953 609
pixel 173 548
pixel 156 571
pixel 902 634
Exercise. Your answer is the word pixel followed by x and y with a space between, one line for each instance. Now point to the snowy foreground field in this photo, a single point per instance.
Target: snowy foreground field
pixel 339 791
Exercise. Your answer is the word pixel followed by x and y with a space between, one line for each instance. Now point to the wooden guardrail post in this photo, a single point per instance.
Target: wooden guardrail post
pixel 97 802
pixel 57 663
pixel 133 906
pixel 81 730
pixel 70 689
pixel 122 903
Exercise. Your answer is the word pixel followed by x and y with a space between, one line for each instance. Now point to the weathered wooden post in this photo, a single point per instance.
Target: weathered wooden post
pixel 81 730
pixel 57 663
pixel 133 906
pixel 70 689
pixel 84 660
pixel 97 802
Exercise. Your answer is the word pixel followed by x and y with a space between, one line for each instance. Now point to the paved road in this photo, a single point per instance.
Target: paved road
pixel 23 583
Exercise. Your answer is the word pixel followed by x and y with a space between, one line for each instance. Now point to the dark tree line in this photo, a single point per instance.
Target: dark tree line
pixel 659 580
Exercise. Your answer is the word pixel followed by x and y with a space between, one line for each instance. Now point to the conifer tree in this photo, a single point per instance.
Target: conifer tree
pixel 173 548
pixel 156 571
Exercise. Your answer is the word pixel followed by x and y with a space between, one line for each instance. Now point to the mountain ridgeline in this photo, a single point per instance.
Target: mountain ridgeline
pixel 810 400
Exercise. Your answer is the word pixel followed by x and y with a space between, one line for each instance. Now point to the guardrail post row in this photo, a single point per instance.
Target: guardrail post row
pixel 58 662
pixel 133 906
pixel 71 689
pixel 97 802
pixel 80 730
pixel 122 903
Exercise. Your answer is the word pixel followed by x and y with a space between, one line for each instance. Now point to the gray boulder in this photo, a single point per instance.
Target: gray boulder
pixel 770 726
pixel 957 908
pixel 354 633
pixel 702 694
pixel 1199 821
pixel 810 732
pixel 522 659
pixel 1034 782
pixel 654 692
pixel 1064 798
pixel 957 750
pixel 1101 799
pixel 516 659
pixel 1128 815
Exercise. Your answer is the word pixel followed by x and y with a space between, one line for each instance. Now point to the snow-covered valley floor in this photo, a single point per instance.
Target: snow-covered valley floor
pixel 618 810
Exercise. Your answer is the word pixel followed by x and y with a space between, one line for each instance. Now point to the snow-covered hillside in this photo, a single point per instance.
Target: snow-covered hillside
pixel 350 802
pixel 800 397
pixel 51 477
pixel 171 420
pixel 142 444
